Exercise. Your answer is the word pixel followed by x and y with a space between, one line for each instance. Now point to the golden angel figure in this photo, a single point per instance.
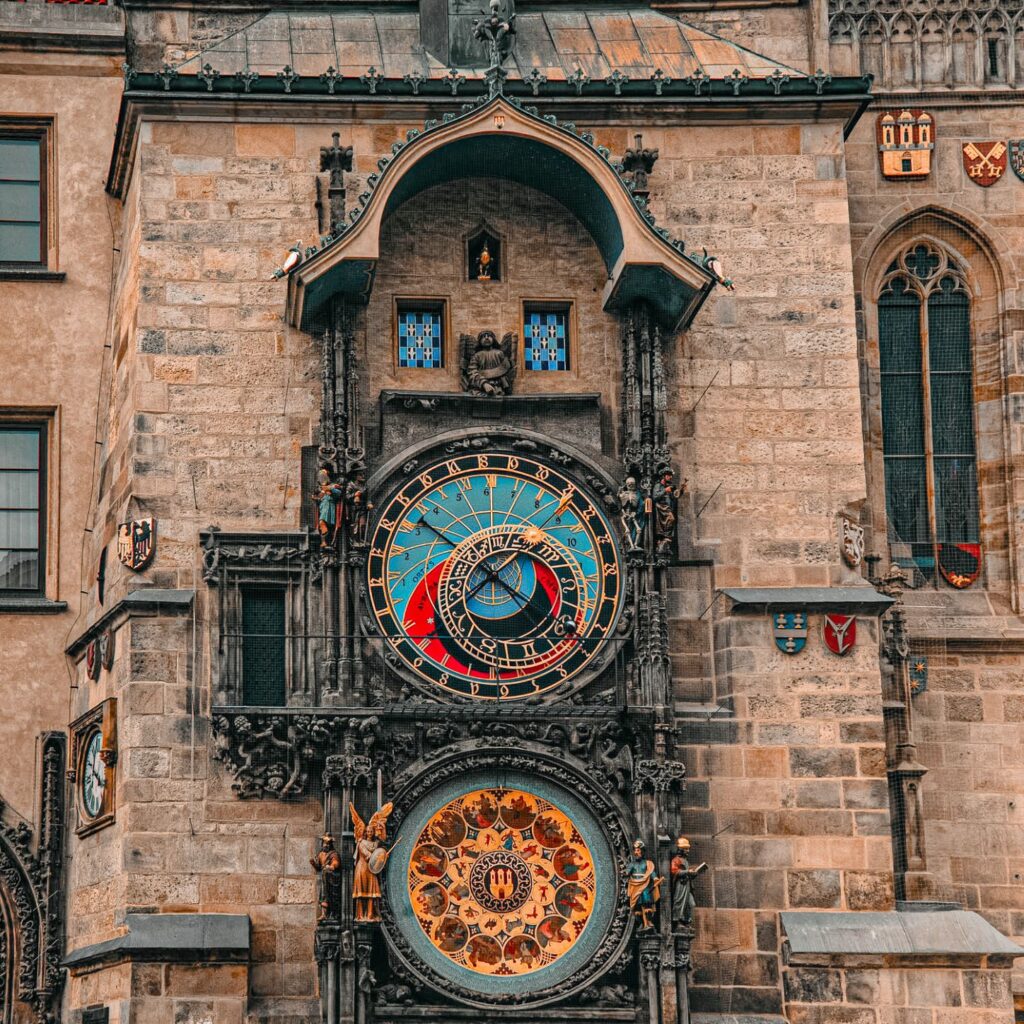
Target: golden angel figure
pixel 371 856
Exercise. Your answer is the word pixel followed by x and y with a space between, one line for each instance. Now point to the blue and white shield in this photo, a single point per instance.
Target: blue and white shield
pixel 790 630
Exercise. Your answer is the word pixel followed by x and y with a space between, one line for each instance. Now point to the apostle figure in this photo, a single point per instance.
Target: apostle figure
pixel 328 497
pixel 683 877
pixel 357 508
pixel 487 367
pixel 327 865
pixel 370 860
pixel 644 886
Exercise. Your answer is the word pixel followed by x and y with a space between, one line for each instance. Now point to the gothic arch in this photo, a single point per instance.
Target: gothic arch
pixel 973 258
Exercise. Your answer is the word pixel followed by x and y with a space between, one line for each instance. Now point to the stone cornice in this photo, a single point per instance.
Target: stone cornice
pixel 679 102
pixel 146 601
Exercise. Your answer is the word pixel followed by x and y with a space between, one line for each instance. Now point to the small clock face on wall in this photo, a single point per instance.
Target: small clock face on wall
pixel 94 775
pixel 494 576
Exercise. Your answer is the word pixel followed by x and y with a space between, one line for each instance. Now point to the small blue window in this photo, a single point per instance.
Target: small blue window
pixel 546 339
pixel 420 337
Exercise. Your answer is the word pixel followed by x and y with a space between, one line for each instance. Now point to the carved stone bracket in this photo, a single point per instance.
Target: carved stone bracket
pixel 659 776
pixel 251 550
pixel 347 770
pixel 30 887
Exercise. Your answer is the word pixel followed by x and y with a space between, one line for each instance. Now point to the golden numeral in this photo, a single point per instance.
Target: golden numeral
pixel 474 688
pixel 445 679
pixel 464 483
pixel 492 480
pixel 451 467
pixel 513 462
pixel 503 690
pixel 387 524
pixel 543 472
pixel 421 508
pixel 481 461
pixel 425 479
pixel 376 581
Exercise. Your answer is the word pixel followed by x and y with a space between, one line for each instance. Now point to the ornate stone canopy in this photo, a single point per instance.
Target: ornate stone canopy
pixel 502 139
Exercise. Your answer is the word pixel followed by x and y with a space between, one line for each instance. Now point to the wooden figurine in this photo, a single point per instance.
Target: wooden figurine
pixel 327 865
pixel 371 857
pixel 683 877
pixel 328 497
pixel 644 886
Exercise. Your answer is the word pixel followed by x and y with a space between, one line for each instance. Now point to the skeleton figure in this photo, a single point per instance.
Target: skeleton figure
pixel 488 368
pixel 631 514
pixel 370 860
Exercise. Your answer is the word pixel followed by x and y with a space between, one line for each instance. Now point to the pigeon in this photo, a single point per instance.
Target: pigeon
pixel 292 260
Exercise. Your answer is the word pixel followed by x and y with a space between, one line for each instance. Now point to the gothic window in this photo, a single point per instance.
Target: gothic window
pixel 263 646
pixel 546 337
pixel 421 334
pixel 22 507
pixel 928 441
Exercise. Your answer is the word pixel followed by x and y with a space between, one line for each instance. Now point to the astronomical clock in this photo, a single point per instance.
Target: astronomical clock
pixel 494 577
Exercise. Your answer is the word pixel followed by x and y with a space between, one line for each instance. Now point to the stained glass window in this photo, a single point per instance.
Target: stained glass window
pixel 928 444
pixel 22 484
pixel 546 338
pixel 421 337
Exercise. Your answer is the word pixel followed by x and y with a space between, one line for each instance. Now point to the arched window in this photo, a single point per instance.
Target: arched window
pixel 931 479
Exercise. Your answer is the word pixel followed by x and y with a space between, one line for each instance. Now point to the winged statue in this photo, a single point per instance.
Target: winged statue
pixel 371 856
pixel 488 367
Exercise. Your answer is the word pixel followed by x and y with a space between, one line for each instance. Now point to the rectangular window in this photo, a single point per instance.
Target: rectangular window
pixel 421 335
pixel 546 337
pixel 22 507
pixel 23 196
pixel 263 646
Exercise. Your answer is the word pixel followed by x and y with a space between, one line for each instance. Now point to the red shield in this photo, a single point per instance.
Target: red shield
pixel 839 633
pixel 985 162
pixel 92 660
pixel 960 564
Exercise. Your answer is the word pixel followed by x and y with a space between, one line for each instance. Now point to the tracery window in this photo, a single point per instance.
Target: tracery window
pixel 928 434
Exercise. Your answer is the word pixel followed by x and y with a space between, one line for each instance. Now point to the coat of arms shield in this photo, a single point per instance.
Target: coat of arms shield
pixel 839 632
pixel 1017 157
pixel 790 630
pixel 960 564
pixel 985 162
pixel 92 660
pixel 136 540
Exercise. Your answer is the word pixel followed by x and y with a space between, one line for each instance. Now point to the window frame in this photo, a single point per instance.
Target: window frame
pixel 40 129
pixel 949 266
pixel 566 306
pixel 41 428
pixel 421 303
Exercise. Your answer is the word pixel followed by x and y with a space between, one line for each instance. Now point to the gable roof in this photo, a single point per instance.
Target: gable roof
pixel 636 42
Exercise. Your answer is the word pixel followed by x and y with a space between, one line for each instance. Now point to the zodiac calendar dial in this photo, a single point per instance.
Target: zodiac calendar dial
pixel 494 576
pixel 501 882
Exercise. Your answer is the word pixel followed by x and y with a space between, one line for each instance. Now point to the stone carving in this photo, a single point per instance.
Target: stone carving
pixel 659 776
pixel 683 877
pixel 219 550
pixel 488 368
pixel 638 161
pixel 644 886
pixel 335 159
pixel 852 541
pixel 496 32
pixel 275 755
pixel 32 883
pixel 371 857
pixel 327 865
pixel 357 507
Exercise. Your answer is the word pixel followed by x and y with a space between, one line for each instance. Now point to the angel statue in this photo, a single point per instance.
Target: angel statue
pixel 487 367
pixel 371 856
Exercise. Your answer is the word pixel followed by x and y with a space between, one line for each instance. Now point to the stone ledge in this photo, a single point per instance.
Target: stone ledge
pixel 829 599
pixel 31 606
pixel 145 601
pixel 920 938
pixel 206 938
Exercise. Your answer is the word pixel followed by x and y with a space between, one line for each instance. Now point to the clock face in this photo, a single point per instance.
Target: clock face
pixel 94 775
pixel 494 576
